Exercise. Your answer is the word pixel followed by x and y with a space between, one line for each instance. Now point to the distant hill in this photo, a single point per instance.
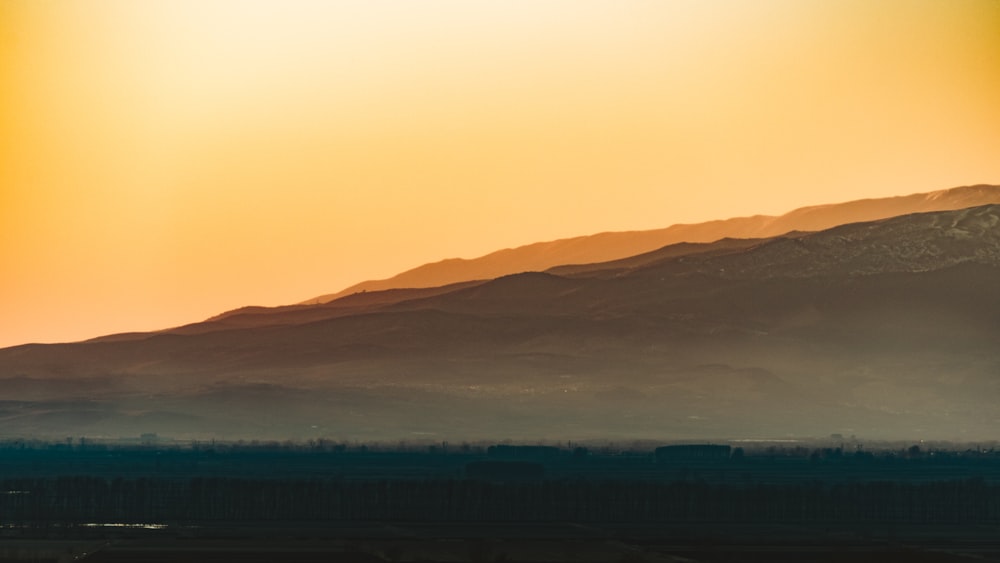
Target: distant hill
pixel 885 329
pixel 611 246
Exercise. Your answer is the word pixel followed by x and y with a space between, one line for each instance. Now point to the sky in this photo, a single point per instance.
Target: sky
pixel 162 161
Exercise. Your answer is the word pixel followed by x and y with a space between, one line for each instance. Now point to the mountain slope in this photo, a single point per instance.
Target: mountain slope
pixel 885 329
pixel 611 246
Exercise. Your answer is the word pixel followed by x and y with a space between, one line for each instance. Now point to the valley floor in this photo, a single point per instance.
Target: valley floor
pixel 297 504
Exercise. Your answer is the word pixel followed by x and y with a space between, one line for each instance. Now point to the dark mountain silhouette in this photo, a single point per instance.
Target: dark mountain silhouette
pixel 615 245
pixel 884 329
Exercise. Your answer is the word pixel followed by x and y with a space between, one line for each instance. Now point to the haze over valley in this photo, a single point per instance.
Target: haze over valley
pixel 884 329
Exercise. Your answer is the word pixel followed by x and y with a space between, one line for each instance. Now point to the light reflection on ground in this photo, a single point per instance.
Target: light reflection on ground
pixel 143 526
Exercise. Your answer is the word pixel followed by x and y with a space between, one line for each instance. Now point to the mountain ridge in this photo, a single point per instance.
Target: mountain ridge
pixel 694 256
pixel 602 247
pixel 884 329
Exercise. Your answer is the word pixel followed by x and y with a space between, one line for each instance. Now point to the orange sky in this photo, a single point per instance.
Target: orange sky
pixel 165 160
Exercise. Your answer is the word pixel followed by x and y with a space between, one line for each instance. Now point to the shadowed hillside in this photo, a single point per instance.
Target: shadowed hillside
pixel 883 329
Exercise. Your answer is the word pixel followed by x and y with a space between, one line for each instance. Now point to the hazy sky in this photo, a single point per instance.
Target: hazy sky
pixel 165 160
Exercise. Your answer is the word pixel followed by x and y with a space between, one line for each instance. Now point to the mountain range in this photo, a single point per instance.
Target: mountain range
pixel 886 328
pixel 603 247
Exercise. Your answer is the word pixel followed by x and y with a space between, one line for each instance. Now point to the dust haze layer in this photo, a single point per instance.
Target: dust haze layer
pixel 884 329
pixel 615 245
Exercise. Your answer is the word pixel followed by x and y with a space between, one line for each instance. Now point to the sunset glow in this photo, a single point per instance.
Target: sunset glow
pixel 165 160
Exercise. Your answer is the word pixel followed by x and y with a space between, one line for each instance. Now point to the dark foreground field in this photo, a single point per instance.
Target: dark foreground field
pixel 546 542
pixel 334 502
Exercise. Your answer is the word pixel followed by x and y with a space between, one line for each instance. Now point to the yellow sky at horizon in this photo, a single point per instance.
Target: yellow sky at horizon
pixel 165 160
